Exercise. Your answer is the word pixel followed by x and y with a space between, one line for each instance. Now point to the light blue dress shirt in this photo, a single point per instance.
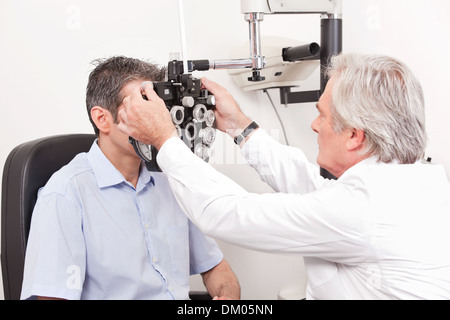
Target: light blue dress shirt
pixel 94 236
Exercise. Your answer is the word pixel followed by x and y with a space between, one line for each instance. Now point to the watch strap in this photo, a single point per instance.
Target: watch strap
pixel 244 134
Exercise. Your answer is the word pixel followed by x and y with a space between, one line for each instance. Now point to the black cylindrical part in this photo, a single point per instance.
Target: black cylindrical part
pixel 199 65
pixel 331 44
pixel 303 52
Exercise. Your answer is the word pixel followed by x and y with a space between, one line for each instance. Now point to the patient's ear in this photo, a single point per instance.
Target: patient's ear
pixel 357 138
pixel 102 118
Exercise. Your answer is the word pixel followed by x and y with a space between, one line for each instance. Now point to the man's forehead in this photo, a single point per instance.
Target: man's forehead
pixel 131 86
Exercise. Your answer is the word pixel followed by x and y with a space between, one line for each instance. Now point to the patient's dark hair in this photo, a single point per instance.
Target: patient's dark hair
pixel 110 76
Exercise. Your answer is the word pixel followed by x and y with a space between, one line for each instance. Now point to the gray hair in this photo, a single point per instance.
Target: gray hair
pixel 110 76
pixel 382 97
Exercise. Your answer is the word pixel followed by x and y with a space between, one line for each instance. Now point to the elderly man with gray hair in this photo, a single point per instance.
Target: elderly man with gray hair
pixel 380 231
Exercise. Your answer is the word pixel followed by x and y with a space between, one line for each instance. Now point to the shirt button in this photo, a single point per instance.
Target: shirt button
pixel 146 226
pixel 154 259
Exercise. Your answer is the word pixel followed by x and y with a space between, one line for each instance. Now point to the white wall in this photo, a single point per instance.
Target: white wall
pixel 47 46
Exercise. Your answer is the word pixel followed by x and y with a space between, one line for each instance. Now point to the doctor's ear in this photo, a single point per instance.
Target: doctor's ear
pixel 356 140
pixel 102 118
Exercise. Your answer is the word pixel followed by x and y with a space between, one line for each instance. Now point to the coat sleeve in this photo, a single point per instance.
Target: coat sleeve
pixel 312 224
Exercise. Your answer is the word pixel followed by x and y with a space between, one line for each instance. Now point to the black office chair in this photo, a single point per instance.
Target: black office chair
pixel 28 168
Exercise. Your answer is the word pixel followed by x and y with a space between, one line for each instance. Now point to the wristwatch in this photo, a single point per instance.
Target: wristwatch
pixel 244 134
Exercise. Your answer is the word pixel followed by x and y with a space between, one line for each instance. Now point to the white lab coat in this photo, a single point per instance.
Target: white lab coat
pixel 379 232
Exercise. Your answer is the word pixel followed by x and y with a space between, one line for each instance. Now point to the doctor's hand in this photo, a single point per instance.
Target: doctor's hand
pixel 229 117
pixel 147 121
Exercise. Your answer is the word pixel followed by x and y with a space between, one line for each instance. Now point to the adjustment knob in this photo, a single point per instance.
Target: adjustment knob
pixel 211 100
pixel 188 102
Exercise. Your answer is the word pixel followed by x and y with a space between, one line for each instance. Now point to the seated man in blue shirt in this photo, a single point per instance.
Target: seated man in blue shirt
pixel 104 227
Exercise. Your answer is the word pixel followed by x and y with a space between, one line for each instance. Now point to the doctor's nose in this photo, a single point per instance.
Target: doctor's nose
pixel 315 125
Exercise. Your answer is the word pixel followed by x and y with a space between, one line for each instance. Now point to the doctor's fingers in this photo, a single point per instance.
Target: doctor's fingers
pixel 211 86
pixel 123 121
pixel 220 93
pixel 135 105
pixel 150 93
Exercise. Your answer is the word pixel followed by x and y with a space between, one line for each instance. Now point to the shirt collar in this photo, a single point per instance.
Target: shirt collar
pixel 145 177
pixel 365 164
pixel 106 173
pixel 362 165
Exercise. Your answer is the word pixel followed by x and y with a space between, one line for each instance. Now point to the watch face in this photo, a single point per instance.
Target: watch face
pixel 238 139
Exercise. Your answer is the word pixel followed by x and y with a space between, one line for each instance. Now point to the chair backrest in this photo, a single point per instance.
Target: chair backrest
pixel 28 168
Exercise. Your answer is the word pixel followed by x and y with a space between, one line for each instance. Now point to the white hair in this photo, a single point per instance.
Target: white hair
pixel 382 97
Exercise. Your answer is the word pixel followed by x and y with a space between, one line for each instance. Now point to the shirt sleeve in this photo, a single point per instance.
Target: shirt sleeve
pixel 55 256
pixel 313 224
pixel 204 252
